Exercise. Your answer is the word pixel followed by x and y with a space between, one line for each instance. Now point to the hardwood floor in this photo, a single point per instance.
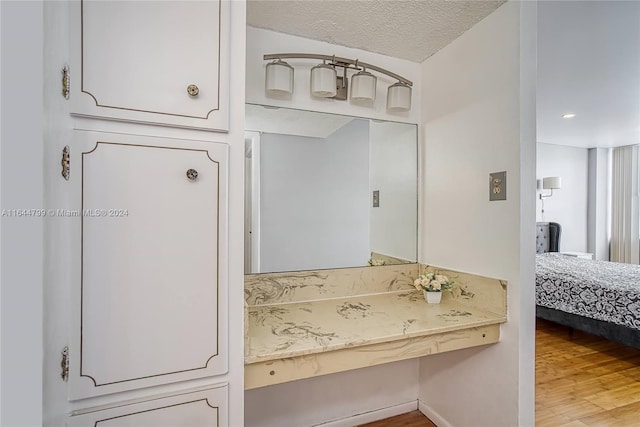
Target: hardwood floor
pixel 410 419
pixel 581 380
pixel 584 380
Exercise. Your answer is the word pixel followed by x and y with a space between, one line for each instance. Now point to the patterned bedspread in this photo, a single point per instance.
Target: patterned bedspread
pixel 601 290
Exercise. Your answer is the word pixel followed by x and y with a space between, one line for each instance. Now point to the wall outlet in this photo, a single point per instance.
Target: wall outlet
pixel 498 186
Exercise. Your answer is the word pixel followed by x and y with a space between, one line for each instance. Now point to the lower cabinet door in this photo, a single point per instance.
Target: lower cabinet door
pixel 149 305
pixel 206 408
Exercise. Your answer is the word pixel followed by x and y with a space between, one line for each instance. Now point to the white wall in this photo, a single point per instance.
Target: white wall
pixel 568 205
pixel 479 117
pixel 21 177
pixel 314 195
pixel 333 397
pixel 258 402
pixel 394 171
pixel 599 202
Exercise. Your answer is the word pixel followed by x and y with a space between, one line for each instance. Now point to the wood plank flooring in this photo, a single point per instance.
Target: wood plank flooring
pixel 581 380
pixel 410 419
pixel 584 380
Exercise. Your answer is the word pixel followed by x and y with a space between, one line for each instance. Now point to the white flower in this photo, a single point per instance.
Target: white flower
pixel 441 278
pixel 432 282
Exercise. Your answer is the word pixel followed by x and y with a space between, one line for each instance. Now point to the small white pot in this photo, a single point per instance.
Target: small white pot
pixel 432 297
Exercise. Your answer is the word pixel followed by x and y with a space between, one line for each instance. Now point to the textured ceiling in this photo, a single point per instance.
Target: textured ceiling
pixel 407 29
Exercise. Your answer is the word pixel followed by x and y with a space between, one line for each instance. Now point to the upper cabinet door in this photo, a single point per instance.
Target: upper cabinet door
pixel 159 62
pixel 149 302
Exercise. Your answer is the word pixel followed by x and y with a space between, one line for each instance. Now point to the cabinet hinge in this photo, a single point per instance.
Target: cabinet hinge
pixel 66 87
pixel 64 364
pixel 65 162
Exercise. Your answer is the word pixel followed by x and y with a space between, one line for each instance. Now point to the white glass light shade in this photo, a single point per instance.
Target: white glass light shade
pixel 323 81
pixel 279 78
pixel 363 86
pixel 551 182
pixel 399 97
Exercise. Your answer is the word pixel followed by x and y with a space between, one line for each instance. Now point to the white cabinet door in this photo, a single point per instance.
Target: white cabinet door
pixel 207 408
pixel 149 306
pixel 139 61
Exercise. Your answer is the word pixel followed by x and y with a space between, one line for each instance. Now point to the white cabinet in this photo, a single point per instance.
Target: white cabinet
pixel 145 292
pixel 159 62
pixel 149 305
pixel 206 408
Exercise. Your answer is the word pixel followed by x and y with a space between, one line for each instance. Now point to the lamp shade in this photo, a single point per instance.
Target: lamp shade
pixel 363 87
pixel 279 78
pixel 399 97
pixel 551 182
pixel 323 81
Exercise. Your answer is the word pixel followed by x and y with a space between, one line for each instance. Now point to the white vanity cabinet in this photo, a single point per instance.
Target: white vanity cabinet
pixel 157 62
pixel 149 306
pixel 205 408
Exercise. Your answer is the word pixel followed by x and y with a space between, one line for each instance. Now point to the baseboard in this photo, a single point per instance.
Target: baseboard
pixel 435 417
pixel 368 417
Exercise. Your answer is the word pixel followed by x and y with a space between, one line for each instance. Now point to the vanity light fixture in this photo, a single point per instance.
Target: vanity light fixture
pixel 279 78
pixel 326 83
pixel 363 87
pixel 399 97
pixel 323 81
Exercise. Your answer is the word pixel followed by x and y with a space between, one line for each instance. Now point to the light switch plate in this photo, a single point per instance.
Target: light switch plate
pixel 498 186
pixel 376 198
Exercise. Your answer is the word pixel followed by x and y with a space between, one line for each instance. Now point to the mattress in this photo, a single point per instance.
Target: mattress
pixel 601 290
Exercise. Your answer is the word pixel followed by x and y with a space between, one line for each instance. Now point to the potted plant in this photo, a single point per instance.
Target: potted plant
pixel 432 285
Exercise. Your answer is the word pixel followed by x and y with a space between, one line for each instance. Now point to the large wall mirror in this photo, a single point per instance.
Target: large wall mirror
pixel 328 191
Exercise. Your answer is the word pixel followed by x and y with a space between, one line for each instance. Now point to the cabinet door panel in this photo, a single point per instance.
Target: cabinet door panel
pixel 206 408
pixel 153 279
pixel 136 59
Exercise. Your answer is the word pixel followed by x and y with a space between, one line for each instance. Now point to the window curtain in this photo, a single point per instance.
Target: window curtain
pixel 625 213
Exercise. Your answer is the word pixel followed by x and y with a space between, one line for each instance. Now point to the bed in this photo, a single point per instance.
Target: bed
pixel 599 297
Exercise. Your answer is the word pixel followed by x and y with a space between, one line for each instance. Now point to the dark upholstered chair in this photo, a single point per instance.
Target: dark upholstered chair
pixel 548 237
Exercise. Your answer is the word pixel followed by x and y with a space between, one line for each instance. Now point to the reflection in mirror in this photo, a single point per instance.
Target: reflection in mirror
pixel 328 191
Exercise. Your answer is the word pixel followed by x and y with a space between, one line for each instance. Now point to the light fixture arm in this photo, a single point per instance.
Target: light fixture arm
pixel 338 61
pixel 543 196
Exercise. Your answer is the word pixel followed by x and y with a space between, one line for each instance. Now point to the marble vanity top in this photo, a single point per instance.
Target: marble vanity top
pixel 285 330
pixel 305 324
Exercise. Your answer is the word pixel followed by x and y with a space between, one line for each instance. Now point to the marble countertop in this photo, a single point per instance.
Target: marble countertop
pixel 284 330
